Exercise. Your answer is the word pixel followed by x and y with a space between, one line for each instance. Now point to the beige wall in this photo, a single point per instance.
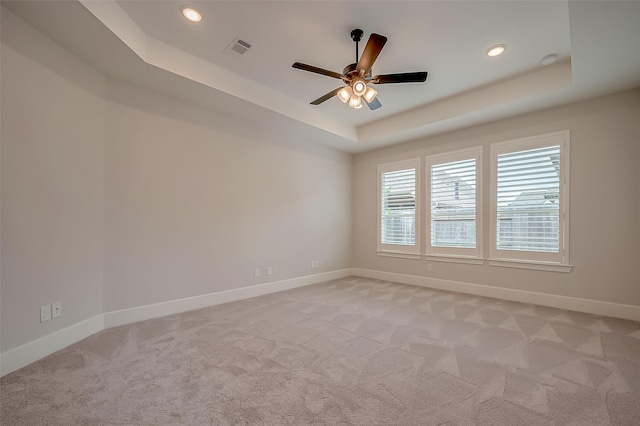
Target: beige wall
pixel 604 201
pixel 196 200
pixel 52 184
pixel 116 197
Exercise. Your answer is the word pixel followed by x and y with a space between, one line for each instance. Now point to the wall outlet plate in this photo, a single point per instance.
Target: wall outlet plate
pixel 269 270
pixel 56 309
pixel 45 313
pixel 256 273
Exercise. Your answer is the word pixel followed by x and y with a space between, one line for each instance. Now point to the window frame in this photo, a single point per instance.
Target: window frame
pixel 455 254
pixel 558 262
pixel 397 250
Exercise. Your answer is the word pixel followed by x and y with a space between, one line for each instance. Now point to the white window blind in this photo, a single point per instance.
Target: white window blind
pixel 528 200
pixel 454 200
pixel 453 204
pixel 398 207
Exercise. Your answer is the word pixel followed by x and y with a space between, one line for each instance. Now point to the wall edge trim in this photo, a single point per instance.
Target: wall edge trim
pixel 32 351
pixel 609 309
pixel 35 350
pixel 141 313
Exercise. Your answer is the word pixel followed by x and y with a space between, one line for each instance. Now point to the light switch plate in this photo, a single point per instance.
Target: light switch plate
pixel 45 313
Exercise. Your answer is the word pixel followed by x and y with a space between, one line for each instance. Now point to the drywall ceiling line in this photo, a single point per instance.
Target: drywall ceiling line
pixel 119 23
pixel 179 62
pixel 531 85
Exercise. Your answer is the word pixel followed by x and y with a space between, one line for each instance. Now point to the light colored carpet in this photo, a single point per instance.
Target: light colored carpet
pixel 353 351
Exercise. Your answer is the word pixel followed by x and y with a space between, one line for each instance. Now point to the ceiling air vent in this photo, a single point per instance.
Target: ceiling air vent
pixel 238 46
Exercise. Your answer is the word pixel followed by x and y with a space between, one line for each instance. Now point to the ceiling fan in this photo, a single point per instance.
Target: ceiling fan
pixel 357 76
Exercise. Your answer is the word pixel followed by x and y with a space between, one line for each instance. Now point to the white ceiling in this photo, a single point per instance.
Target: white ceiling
pixel 150 43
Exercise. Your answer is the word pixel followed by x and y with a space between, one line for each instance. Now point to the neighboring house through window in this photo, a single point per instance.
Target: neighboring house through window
pixel 529 209
pixel 530 203
pixel 454 202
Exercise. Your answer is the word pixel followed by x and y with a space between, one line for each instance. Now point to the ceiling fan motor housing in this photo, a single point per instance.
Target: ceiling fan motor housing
pixel 350 70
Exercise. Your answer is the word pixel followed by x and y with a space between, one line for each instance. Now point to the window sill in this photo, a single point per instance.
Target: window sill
pixel 398 254
pixel 454 259
pixel 524 264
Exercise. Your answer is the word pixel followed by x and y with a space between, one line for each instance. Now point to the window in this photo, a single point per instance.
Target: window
pixel 530 203
pixel 454 201
pixel 398 208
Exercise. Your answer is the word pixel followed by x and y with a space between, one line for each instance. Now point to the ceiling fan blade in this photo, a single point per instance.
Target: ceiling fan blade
pixel 374 104
pixel 370 54
pixel 329 95
pixel 407 77
pixel 317 70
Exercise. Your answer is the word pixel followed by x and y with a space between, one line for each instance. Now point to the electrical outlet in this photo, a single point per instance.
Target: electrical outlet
pixel 429 267
pixel 316 263
pixel 45 313
pixel 256 273
pixel 56 309
pixel 269 270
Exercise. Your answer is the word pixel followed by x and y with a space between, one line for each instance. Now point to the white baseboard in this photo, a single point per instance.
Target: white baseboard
pixel 616 310
pixel 24 355
pixel 141 313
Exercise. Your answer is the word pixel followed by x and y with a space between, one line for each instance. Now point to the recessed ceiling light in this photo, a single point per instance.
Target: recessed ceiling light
pixel 549 59
pixel 496 50
pixel 191 14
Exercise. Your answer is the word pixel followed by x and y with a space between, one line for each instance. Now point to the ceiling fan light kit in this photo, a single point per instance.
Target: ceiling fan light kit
pixel 370 94
pixel 355 101
pixel 359 86
pixel 357 76
pixel 345 94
